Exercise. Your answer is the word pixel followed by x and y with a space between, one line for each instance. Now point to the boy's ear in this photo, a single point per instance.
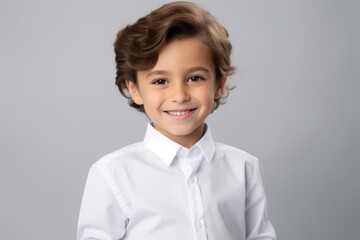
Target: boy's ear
pixel 220 88
pixel 134 92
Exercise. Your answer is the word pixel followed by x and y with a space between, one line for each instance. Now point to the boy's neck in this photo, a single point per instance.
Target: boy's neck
pixel 188 140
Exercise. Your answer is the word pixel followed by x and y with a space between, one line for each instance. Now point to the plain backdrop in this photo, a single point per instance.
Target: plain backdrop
pixel 296 106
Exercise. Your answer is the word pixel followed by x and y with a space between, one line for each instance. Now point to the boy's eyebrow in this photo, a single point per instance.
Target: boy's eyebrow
pixel 157 72
pixel 199 68
pixel 193 69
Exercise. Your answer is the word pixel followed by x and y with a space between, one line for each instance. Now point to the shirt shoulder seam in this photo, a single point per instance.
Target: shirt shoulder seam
pixel 115 190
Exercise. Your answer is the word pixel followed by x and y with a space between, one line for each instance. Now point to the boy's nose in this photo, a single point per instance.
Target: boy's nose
pixel 180 93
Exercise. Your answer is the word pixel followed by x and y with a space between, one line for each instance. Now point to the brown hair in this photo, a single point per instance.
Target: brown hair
pixel 137 46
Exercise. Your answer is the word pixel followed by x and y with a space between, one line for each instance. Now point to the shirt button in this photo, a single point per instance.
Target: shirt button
pixel 199 224
pixel 192 180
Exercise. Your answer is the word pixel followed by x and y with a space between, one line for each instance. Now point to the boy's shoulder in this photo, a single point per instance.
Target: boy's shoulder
pixel 234 152
pixel 238 159
pixel 122 154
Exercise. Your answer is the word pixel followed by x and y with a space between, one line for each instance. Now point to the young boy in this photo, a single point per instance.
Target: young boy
pixel 178 183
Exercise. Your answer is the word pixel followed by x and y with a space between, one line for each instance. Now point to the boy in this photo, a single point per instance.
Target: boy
pixel 178 183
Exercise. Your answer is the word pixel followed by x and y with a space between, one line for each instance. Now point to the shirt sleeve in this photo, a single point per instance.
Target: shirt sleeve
pixel 258 225
pixel 101 216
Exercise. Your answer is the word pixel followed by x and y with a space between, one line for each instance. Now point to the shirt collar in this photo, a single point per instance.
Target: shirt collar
pixel 167 149
pixel 159 144
pixel 206 145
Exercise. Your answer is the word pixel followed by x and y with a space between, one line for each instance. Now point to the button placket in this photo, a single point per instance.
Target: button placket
pixel 197 210
pixel 189 164
pixel 194 194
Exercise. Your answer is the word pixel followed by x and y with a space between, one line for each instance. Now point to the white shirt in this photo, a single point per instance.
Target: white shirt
pixel 159 190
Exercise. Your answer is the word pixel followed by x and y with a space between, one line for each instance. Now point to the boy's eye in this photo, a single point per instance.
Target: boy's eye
pixel 195 78
pixel 159 82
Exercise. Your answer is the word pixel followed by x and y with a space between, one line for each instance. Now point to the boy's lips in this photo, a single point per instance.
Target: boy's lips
pixel 180 113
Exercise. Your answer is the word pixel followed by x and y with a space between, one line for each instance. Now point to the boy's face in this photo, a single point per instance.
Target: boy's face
pixel 179 91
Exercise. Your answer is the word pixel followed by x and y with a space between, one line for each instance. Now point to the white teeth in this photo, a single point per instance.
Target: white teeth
pixel 178 113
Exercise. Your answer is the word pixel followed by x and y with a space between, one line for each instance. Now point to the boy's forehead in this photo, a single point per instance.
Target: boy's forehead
pixel 184 54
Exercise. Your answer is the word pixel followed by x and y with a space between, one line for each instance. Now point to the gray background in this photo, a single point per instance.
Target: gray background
pixel 296 107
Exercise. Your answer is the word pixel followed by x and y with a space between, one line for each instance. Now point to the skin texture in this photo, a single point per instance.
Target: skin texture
pixel 179 91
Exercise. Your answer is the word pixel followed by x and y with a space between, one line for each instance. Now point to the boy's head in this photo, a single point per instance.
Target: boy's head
pixel 137 46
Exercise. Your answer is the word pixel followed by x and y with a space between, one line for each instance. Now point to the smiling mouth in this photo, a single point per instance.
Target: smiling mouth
pixel 180 113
